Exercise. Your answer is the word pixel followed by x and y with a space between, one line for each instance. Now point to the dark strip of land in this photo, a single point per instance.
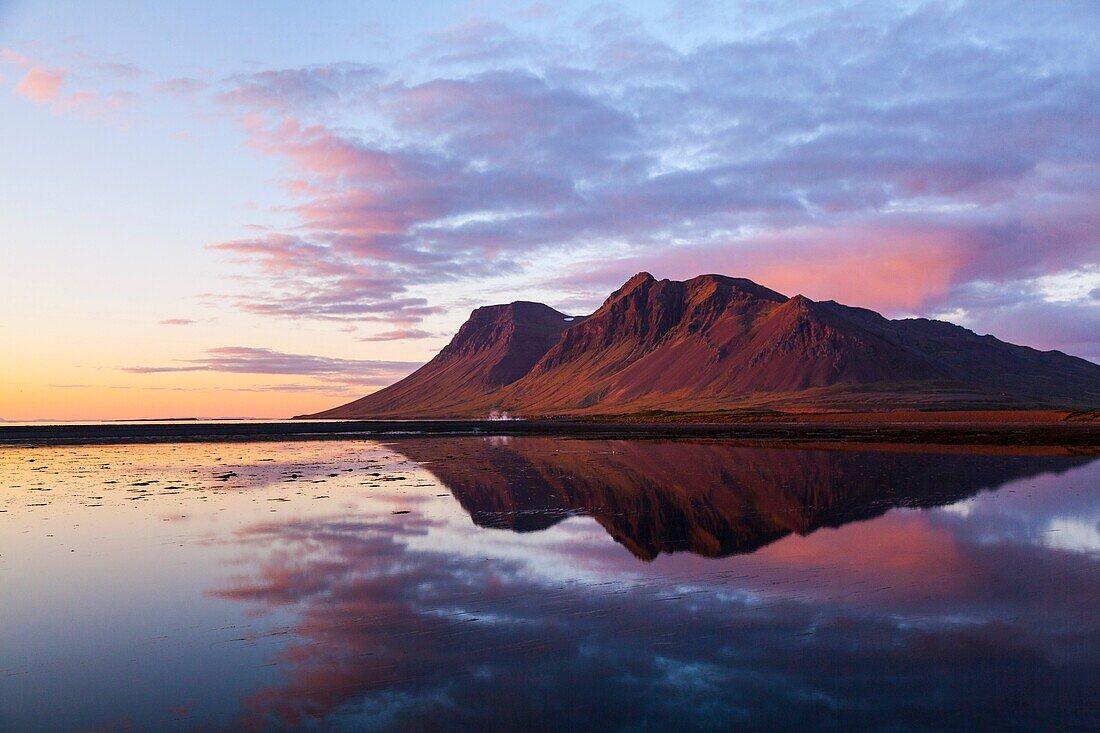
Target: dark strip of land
pixel 1073 436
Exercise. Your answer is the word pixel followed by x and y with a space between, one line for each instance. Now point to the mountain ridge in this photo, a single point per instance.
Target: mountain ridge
pixel 715 342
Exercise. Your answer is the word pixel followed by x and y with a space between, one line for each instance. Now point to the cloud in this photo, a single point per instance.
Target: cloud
pixel 477 42
pixel 180 86
pixel 295 91
pixel 247 360
pixel 534 10
pixel 41 85
pixel 11 56
pixel 176 322
pixel 1023 315
pixel 307 280
pixel 398 334
pixel 46 85
pixel 118 70
pixel 889 155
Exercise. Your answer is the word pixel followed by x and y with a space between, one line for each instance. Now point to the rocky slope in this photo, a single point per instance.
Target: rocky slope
pixel 716 342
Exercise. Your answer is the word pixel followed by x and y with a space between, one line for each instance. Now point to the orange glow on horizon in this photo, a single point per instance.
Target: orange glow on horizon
pixel 192 395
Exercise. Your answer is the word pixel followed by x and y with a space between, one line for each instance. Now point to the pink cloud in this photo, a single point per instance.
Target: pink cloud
pixel 885 268
pixel 882 268
pixel 10 56
pixel 319 152
pixel 41 85
pixel 399 334
pixel 278 253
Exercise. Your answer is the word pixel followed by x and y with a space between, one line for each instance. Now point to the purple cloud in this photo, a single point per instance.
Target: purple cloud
pixel 399 334
pixel 933 146
pixel 247 360
pixel 181 86
pixel 118 70
pixel 294 91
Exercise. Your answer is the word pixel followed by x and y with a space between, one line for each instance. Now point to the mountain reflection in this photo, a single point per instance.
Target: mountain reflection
pixel 914 621
pixel 711 499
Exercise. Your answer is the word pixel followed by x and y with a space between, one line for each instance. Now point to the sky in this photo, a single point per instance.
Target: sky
pixel 260 209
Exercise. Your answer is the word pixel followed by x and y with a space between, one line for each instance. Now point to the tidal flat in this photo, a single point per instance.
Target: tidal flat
pixel 546 583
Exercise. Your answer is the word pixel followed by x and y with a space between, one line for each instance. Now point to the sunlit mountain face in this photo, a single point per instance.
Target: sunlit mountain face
pixel 721 343
pixel 546 584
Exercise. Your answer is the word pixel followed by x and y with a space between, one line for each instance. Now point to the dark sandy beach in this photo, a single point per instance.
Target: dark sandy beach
pixel 1057 435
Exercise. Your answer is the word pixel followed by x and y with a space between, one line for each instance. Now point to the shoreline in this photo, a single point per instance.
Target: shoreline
pixel 1078 437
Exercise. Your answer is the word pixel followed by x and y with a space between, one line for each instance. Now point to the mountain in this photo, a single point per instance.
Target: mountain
pixel 495 347
pixel 714 343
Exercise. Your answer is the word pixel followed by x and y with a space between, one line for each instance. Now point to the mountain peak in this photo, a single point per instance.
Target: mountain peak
pixel 496 345
pixel 509 337
pixel 637 282
pixel 517 308
pixel 800 303
pixel 739 283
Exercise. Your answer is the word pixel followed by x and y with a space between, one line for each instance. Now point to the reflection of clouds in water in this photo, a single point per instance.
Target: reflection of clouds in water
pixel 576 549
pixel 1080 534
pixel 1060 511
pixel 962 508
pixel 392 635
pixel 854 609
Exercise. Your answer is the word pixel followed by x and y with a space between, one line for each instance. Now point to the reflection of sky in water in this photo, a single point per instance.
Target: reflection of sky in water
pixel 1058 511
pixel 292 594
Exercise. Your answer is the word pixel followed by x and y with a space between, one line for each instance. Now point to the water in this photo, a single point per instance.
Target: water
pixel 546 584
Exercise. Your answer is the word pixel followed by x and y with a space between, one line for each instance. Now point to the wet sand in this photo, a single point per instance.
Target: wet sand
pixel 1054 431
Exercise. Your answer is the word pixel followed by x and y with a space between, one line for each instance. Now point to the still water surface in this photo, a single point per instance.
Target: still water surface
pixel 546 584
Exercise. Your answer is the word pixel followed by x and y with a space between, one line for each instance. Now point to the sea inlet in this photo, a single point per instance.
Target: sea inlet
pixel 547 583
